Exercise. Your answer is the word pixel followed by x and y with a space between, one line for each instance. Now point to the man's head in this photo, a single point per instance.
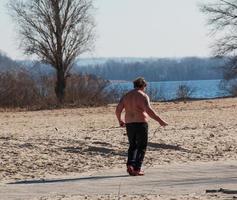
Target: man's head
pixel 139 83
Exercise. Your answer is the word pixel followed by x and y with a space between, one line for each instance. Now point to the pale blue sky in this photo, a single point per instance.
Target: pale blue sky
pixel 135 28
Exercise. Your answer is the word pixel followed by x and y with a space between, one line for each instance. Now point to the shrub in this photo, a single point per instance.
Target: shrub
pixel 155 94
pixel 117 92
pixel 17 89
pixel 87 90
pixel 22 89
pixel 184 92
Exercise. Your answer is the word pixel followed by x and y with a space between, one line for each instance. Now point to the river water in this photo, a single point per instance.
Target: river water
pixel 167 90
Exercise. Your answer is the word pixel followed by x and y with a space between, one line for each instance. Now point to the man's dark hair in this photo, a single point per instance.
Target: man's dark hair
pixel 139 82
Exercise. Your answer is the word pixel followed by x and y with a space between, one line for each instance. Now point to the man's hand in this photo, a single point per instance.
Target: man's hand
pixel 122 123
pixel 163 123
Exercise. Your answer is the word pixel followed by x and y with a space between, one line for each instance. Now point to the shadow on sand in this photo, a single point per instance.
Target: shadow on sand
pixel 43 181
pixel 167 146
pixel 91 150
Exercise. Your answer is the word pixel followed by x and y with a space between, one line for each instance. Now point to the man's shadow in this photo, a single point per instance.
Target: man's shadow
pixel 167 146
pixel 44 181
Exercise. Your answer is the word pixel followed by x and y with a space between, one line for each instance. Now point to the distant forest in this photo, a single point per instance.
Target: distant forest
pixel 153 69
pixel 190 68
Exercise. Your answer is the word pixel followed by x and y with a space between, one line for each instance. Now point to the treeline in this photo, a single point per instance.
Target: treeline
pixel 190 68
pixel 165 69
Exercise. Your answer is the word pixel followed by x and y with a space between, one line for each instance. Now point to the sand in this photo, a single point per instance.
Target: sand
pixel 44 144
pixel 192 196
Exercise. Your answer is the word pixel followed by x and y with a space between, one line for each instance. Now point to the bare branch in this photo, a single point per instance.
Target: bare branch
pixel 222 18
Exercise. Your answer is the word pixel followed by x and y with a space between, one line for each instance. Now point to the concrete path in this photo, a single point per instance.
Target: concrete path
pixel 170 179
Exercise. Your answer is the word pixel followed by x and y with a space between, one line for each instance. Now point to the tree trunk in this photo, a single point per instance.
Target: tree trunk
pixel 60 86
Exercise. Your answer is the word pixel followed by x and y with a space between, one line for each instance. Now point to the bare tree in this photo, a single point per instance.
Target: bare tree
pixel 57 31
pixel 222 18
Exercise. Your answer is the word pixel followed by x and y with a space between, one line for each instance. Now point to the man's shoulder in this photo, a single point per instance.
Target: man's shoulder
pixel 137 93
pixel 143 94
pixel 128 93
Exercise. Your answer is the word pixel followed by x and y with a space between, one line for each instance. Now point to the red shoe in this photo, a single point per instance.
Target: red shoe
pixel 131 170
pixel 139 172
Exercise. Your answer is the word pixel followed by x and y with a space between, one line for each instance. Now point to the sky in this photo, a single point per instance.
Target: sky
pixel 134 28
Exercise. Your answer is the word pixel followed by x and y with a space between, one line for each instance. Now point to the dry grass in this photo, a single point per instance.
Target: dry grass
pixel 21 90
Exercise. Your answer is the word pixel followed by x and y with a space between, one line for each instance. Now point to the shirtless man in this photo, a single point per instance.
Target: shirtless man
pixel 137 109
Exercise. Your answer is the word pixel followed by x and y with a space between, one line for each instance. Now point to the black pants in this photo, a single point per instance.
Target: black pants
pixel 137 137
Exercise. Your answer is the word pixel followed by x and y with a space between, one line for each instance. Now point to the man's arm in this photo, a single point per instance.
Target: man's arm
pixel 118 112
pixel 152 113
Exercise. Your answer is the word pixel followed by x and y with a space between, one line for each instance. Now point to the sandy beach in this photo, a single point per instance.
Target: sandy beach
pixel 46 144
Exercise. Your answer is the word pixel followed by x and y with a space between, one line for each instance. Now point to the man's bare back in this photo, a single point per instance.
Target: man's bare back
pixel 134 103
pixel 137 108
